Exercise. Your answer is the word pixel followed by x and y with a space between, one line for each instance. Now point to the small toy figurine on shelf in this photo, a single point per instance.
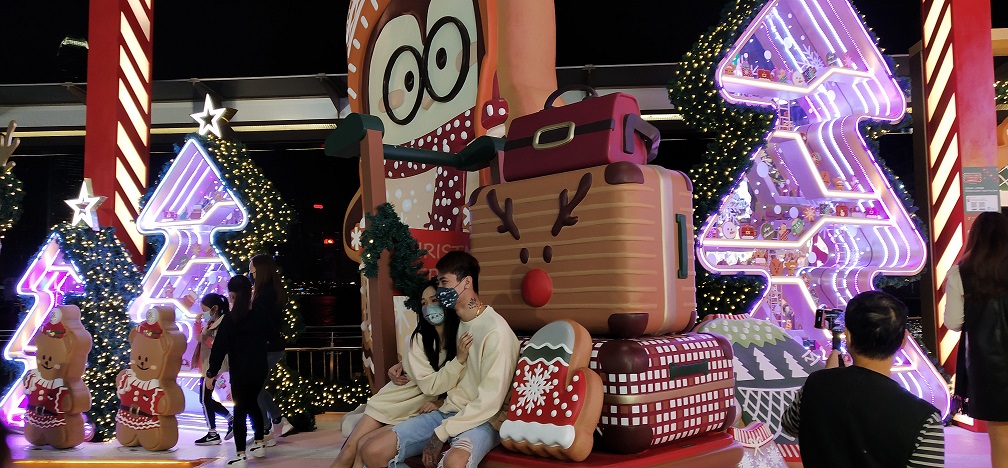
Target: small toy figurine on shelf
pixel 169 290
pixel 764 75
pixel 848 61
pixel 780 75
pixel 831 59
pixel 747 69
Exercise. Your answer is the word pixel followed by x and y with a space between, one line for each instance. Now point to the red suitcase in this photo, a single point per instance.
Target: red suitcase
pixel 662 389
pixel 593 132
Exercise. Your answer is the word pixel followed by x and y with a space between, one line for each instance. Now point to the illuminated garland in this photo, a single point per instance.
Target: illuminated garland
pixel 11 194
pixel 738 131
pixel 385 231
pixel 1001 93
pixel 111 281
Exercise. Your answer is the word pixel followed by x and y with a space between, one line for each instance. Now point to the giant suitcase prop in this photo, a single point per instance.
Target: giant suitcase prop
pixel 610 247
pixel 595 131
pixel 664 388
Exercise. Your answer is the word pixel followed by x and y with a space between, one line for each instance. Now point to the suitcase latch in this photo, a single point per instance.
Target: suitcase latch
pixel 554 135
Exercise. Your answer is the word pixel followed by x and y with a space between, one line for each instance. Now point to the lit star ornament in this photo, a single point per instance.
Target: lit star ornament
pixel 85 206
pixel 212 119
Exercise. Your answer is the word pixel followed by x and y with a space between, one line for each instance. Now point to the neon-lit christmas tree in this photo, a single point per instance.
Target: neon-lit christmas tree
pixel 810 209
pixel 189 206
pixel 211 210
pixel 82 264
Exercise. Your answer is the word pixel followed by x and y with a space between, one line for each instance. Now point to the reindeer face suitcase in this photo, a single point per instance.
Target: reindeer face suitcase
pixel 610 247
pixel 662 389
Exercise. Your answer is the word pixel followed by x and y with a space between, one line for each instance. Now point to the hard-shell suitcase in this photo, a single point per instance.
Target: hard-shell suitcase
pixel 610 247
pixel 595 131
pixel 663 388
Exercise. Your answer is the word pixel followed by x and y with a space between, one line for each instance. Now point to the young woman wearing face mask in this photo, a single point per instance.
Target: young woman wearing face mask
pixel 433 366
pixel 215 307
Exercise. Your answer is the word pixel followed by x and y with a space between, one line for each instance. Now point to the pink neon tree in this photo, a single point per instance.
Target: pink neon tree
pixel 188 208
pixel 814 214
pixel 48 280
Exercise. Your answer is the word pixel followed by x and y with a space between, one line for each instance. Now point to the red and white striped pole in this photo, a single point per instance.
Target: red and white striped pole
pixel 117 141
pixel 958 78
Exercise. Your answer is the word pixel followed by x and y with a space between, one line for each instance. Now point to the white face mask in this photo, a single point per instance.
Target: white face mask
pixel 434 314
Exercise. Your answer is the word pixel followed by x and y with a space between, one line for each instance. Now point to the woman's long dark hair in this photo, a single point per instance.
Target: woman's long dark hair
pixel 242 288
pixel 986 258
pixel 265 275
pixel 216 300
pixel 429 335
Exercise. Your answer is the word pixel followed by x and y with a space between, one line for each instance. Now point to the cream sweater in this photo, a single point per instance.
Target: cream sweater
pixel 396 403
pixel 486 380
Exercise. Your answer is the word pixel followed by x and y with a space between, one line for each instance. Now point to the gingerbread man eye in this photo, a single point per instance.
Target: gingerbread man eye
pixel 448 38
pixel 402 86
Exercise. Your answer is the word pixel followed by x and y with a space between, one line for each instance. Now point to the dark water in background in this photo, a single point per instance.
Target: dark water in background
pixel 339 308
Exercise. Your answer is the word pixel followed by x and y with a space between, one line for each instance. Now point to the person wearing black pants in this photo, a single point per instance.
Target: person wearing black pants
pixel 214 308
pixel 242 339
pixel 268 299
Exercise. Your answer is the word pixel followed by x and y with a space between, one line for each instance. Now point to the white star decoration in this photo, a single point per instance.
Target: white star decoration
pixel 212 118
pixel 85 206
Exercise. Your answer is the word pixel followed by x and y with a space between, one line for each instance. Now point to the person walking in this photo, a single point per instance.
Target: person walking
pixel 215 308
pixel 977 303
pixel 242 339
pixel 268 299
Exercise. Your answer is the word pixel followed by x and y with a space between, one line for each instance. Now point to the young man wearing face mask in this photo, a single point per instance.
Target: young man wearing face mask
pixel 431 366
pixel 473 410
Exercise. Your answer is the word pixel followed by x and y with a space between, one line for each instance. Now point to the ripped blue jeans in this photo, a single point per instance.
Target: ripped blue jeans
pixel 414 433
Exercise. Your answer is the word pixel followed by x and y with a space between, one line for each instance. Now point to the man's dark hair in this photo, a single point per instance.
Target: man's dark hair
pixel 876 322
pixel 460 264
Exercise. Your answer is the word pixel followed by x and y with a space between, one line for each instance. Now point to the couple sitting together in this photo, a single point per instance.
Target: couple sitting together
pixel 449 393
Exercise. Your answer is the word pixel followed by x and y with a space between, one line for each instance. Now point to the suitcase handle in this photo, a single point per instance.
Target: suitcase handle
pixel 574 87
pixel 683 239
pixel 633 124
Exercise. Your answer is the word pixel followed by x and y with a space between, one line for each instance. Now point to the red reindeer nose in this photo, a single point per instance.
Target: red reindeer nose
pixel 537 288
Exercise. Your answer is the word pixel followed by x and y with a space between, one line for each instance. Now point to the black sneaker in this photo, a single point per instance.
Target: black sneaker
pixel 210 439
pixel 230 432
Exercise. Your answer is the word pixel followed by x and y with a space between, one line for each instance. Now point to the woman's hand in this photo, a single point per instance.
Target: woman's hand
pixel 431 406
pixel 463 348
pixel 397 376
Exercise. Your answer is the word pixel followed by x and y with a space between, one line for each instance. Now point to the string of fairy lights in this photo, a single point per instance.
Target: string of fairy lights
pixel 738 130
pixel 111 281
pixel 11 194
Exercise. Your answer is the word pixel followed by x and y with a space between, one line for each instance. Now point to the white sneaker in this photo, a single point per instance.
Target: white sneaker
pixel 239 461
pixel 283 427
pixel 268 440
pixel 257 449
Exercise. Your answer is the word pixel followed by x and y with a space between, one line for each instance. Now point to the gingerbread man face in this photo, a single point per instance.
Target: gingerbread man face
pixel 150 347
pixel 59 341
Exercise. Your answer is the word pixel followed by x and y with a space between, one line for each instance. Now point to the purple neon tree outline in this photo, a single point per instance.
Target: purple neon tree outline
pixel 49 278
pixel 838 96
pixel 188 208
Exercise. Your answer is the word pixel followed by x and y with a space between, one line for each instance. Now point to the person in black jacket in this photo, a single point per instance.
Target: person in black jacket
pixel 268 299
pixel 858 415
pixel 977 303
pixel 242 338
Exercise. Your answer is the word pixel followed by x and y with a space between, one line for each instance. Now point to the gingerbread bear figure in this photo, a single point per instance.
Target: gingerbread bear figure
pixel 556 400
pixel 149 396
pixel 56 394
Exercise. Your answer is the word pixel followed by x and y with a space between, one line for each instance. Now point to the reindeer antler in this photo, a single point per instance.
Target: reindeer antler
pixel 564 217
pixel 7 146
pixel 506 215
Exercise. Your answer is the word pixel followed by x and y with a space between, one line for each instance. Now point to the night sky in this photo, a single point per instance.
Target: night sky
pixel 231 38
